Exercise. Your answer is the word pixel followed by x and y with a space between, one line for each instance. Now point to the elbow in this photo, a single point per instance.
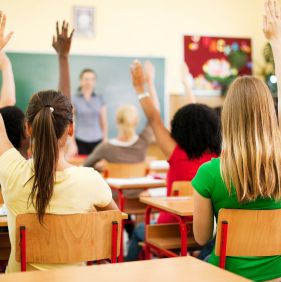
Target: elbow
pixel 202 238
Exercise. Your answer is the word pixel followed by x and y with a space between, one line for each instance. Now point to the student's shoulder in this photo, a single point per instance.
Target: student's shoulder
pixel 211 165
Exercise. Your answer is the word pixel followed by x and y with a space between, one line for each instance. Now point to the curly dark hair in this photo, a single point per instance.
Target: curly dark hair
pixel 196 129
pixel 14 122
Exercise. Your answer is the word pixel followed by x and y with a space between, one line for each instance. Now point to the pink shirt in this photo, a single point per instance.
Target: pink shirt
pixel 181 169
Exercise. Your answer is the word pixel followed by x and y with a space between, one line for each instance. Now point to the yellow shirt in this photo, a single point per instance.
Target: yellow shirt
pixel 76 190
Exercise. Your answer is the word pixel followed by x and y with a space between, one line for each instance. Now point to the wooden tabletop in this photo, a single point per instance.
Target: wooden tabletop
pixel 136 183
pixel 3 221
pixel 182 206
pixel 162 270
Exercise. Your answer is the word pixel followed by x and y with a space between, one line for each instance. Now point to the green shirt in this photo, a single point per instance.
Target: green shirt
pixel 209 184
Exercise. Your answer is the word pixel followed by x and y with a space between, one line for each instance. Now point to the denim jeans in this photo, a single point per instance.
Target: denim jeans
pixel 134 248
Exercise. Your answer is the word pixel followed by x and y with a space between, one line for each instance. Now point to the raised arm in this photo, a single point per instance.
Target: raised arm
pixel 272 32
pixel 189 96
pixel 163 137
pixel 62 43
pixel 5 143
pixel 8 92
pixel 149 72
pixel 3 39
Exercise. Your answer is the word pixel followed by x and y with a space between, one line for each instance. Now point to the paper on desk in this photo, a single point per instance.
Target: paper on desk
pixel 158 165
pixel 158 192
pixel 134 181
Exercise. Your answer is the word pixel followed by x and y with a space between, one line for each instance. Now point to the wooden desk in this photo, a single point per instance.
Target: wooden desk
pixel 120 184
pixel 3 221
pixel 180 208
pixel 162 270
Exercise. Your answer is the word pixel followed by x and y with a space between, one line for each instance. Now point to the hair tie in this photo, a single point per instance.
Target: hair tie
pixel 49 106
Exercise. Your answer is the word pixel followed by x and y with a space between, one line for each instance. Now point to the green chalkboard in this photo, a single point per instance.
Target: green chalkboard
pixel 35 72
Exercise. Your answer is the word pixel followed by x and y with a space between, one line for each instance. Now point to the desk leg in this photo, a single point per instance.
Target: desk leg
pixel 147 222
pixel 121 207
pixel 183 231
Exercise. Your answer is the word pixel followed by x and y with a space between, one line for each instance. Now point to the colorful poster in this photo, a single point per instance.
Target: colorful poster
pixel 215 61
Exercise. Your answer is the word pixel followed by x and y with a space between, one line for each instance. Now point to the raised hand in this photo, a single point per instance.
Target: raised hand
pixel 149 72
pixel 138 76
pixel 272 21
pixel 3 39
pixel 62 42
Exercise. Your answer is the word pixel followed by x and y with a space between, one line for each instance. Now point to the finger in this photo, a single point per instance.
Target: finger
pixel 264 27
pixel 1 14
pixel 7 38
pixel 63 29
pixel 54 41
pixel 270 9
pixel 57 29
pixel 276 9
pixel 3 24
pixel 71 34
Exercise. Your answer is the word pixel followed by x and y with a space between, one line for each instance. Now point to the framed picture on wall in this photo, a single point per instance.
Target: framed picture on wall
pixel 83 21
pixel 214 62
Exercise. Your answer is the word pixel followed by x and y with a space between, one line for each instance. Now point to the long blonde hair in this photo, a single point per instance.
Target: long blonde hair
pixel 127 119
pixel 251 147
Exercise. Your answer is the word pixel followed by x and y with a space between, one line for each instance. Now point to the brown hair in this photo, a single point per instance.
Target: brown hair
pixel 48 115
pixel 251 158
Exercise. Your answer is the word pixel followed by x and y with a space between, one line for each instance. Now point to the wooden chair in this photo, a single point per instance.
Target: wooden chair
pixel 182 188
pixel 248 233
pixel 126 170
pixel 68 239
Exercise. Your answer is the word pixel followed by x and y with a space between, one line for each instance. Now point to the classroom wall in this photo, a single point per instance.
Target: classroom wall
pixel 137 27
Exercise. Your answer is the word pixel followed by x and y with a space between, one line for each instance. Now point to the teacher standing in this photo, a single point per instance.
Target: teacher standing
pixel 90 114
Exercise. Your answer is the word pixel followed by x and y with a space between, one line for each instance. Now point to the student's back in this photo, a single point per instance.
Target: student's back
pixel 76 190
pixel 47 183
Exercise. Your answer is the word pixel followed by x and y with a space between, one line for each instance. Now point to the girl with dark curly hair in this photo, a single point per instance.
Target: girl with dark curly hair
pixel 194 140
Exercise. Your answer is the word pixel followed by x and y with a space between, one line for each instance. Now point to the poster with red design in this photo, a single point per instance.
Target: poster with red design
pixel 215 61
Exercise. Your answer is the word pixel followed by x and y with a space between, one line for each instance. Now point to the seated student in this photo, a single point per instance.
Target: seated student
pixel 194 139
pixel 247 176
pixel 126 147
pixel 47 183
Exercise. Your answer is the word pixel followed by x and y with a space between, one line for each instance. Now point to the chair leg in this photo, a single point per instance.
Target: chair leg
pixel 114 241
pixel 23 248
pixel 222 261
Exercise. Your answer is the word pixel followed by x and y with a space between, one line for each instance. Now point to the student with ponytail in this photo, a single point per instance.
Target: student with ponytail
pixel 47 183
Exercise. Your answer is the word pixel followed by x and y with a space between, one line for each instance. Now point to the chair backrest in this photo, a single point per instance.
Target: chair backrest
pixel 182 188
pixel 249 232
pixel 68 238
pixel 1 197
pixel 126 170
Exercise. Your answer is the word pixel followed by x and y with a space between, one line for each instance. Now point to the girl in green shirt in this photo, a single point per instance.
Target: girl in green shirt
pixel 248 174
